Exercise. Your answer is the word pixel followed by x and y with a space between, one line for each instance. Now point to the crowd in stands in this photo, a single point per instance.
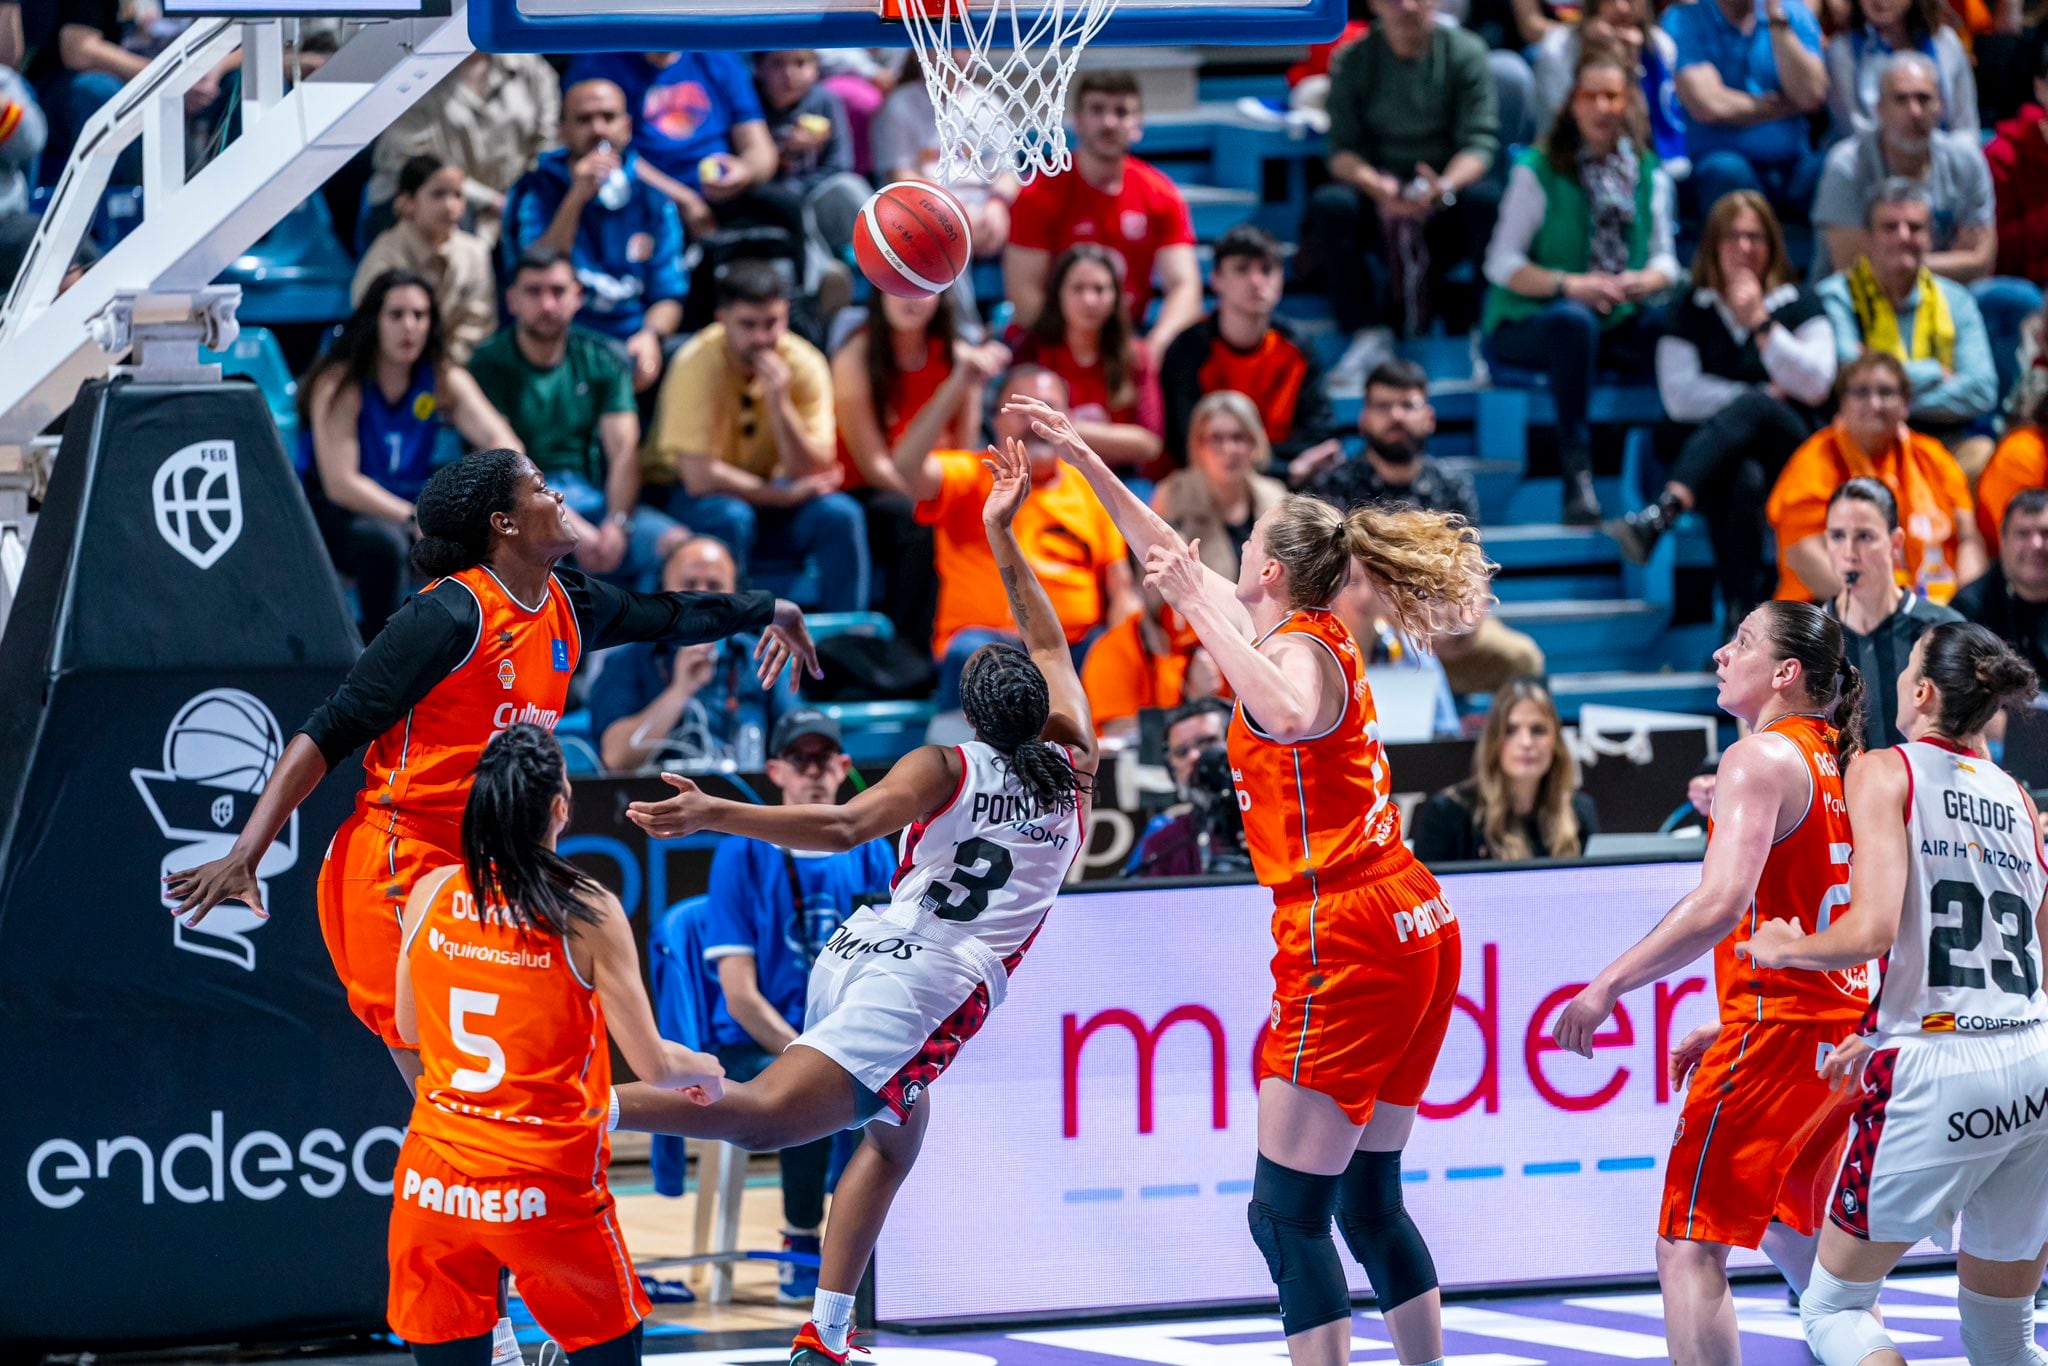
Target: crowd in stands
pixel 1821 234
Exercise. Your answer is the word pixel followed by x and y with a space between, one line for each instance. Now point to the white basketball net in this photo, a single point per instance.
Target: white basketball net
pixel 1001 111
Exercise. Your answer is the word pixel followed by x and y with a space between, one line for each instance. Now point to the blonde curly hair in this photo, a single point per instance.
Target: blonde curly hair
pixel 1427 567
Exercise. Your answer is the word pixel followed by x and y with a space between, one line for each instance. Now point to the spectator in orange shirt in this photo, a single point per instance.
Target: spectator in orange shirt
pixel 2020 462
pixel 1149 661
pixel 1871 440
pixel 1084 336
pixel 1068 537
pixel 906 379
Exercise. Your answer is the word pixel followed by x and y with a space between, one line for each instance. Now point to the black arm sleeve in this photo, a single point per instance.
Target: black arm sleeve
pixel 422 644
pixel 614 616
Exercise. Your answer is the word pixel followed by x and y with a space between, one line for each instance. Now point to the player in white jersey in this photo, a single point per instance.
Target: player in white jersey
pixel 1953 1123
pixel 992 828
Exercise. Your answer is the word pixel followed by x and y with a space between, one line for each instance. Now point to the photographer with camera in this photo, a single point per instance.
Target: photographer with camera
pixel 1203 831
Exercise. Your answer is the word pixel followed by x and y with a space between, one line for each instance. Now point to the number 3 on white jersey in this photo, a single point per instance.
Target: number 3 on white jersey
pixel 461 1005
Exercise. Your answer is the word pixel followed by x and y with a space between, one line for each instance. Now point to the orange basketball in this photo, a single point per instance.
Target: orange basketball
pixel 911 239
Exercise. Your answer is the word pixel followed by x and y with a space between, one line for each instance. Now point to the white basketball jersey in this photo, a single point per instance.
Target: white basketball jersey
pixel 1966 960
pixel 990 862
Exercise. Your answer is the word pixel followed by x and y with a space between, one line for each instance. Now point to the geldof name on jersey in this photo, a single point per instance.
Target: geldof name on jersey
pixel 850 946
pixel 1989 1122
pixel 526 714
pixel 484 953
pixel 1976 810
pixel 499 1206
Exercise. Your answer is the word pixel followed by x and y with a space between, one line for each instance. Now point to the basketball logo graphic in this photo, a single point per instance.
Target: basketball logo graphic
pixel 196 498
pixel 219 751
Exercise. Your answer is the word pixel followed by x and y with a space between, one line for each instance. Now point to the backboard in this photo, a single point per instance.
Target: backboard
pixel 755 25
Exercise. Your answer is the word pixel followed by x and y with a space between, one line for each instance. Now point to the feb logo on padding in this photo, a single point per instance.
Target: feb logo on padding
pixel 196 498
pixel 219 751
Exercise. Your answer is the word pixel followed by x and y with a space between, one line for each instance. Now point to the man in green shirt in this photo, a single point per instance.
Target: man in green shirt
pixel 1414 131
pixel 569 395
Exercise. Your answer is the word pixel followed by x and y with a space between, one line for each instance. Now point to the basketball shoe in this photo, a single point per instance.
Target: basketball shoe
pixel 810 1350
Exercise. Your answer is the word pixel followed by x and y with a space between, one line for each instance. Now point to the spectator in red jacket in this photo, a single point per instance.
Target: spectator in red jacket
pixel 2019 176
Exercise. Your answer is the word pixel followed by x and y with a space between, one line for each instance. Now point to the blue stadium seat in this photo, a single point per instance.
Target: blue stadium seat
pixel 881 732
pixel 255 355
pixel 685 996
pixel 298 273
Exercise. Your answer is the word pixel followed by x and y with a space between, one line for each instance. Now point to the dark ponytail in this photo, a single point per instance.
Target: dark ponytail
pixel 504 835
pixel 1005 699
pixel 1802 631
pixel 454 510
pixel 1977 674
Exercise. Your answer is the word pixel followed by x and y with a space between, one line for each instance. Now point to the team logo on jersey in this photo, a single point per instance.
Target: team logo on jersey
pixel 561 655
pixel 506 675
pixel 196 498
pixel 219 751
pixel 423 407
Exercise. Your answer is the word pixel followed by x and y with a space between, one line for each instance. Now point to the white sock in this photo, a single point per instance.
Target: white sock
pixel 832 1316
pixel 504 1344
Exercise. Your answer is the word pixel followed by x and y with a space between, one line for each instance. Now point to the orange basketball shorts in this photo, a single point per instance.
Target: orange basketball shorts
pixel 450 1232
pixel 364 881
pixel 1364 973
pixel 1760 1138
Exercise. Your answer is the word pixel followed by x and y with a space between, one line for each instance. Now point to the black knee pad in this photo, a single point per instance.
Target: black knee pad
pixel 1290 1219
pixel 1378 1231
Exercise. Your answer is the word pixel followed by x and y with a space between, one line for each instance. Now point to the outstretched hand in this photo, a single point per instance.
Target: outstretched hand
pixel 1052 425
pixel 787 639
pixel 683 814
pixel 198 890
pixel 1011 468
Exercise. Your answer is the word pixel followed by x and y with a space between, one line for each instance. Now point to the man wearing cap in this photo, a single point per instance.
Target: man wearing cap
pixel 770 912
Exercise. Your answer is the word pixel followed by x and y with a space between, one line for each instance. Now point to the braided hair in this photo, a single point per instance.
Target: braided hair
pixel 1005 699
pixel 505 829
pixel 454 510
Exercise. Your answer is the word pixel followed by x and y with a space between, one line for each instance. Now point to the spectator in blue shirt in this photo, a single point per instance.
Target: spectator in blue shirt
pixel 770 913
pixel 681 705
pixel 698 124
pixel 591 200
pixel 1749 75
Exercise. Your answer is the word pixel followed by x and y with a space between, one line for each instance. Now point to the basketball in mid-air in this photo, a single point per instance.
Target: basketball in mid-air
pixel 911 239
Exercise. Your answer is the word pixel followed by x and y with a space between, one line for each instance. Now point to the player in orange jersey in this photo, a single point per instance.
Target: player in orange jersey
pixel 1761 1135
pixel 1367 953
pixel 515 969
pixel 491 642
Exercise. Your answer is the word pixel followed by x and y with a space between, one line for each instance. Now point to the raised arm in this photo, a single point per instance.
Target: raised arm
pixel 1877 786
pixel 921 782
pixel 1142 528
pixel 1070 723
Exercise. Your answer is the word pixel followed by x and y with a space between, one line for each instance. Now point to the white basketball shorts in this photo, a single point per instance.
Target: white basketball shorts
pixel 1952 1127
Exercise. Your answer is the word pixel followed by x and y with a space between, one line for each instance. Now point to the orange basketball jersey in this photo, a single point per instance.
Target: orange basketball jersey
pixel 1806 878
pixel 516 1071
pixel 416 776
pixel 1323 803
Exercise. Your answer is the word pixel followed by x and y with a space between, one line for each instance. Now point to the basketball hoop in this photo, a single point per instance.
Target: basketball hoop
pixel 1000 111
